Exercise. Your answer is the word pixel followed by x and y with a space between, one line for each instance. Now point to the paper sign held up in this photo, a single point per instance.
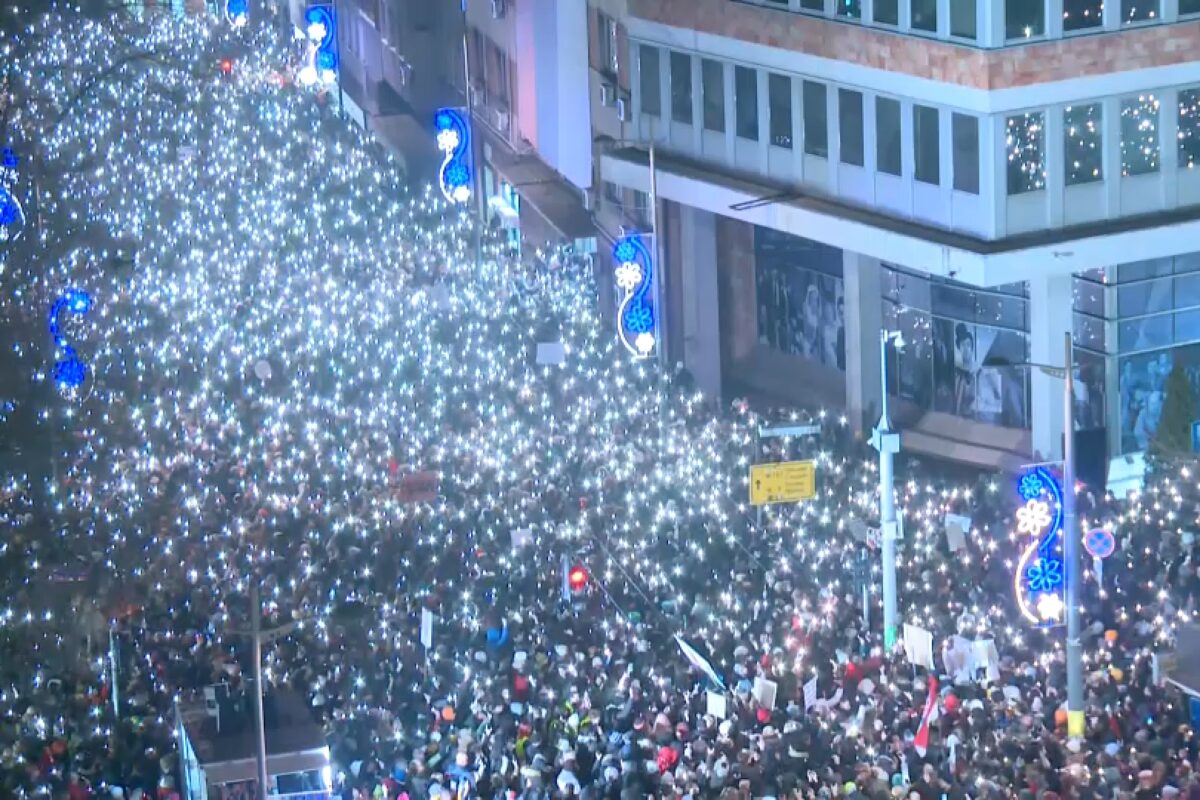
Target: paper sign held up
pixel 765 692
pixel 810 694
pixel 426 628
pixel 551 353
pixel 717 705
pixel 918 643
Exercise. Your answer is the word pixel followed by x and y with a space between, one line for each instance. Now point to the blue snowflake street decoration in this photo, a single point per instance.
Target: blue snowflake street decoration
pixel 10 210
pixel 69 370
pixel 1045 575
pixel 1030 486
pixel 636 317
pixel 320 28
pixel 1040 578
pixel 454 142
pixel 12 216
pixel 9 159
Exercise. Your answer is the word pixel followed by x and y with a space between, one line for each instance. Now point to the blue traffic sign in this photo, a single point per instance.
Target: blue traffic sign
pixel 1099 543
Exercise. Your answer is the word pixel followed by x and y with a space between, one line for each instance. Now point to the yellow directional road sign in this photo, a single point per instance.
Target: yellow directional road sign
pixel 786 482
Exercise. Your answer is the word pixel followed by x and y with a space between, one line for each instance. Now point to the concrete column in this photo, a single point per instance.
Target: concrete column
pixel 862 289
pixel 1051 311
pixel 1168 138
pixel 1055 163
pixel 701 298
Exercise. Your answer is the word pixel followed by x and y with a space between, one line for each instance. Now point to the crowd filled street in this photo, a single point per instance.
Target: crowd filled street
pixel 281 339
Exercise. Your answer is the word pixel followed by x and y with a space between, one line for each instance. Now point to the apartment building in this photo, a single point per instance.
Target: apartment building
pixel 981 175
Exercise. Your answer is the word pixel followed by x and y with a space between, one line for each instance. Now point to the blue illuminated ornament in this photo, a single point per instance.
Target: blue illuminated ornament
pixel 9 159
pixel 320 27
pixel 12 215
pixel 454 141
pixel 1040 578
pixel 69 370
pixel 237 12
pixel 635 312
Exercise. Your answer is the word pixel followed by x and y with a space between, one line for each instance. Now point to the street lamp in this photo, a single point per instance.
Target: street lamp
pixel 1071 538
pixel 887 442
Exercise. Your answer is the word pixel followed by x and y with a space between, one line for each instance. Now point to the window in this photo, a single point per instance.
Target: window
pixel 1139 135
pixel 712 87
pixel 887 135
pixel 1189 7
pixel 1024 19
pixel 850 126
pixel 1134 11
pixel 648 79
pixel 607 33
pixel 1189 127
pixel 964 131
pixel 1024 142
pixel 812 5
pixel 1082 137
pixel 779 101
pixel 962 19
pixel 848 8
pixel 887 12
pixel 641 209
pixel 612 194
pixel 816 125
pixel 745 91
pixel 925 144
pixel 924 15
pixel 1080 15
pixel 681 88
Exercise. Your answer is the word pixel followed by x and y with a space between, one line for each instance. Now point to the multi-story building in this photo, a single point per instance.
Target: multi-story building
pixel 982 175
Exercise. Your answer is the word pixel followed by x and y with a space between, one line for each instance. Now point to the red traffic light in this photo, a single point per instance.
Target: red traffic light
pixel 577 578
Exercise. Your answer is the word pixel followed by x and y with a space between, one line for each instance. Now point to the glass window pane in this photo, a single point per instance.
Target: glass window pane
pixel 1189 7
pixel 952 302
pixel 1188 262
pixel 1138 11
pixel 816 124
pixel 681 88
pixel 924 15
pixel 1089 297
pixel 648 80
pixel 779 96
pixel 1024 18
pixel 1141 385
pixel 1187 291
pixel 1145 333
pixel 887 12
pixel 745 88
pixel 812 5
pixel 925 144
pixel 1089 332
pixel 964 131
pixel 1025 142
pixel 887 135
pixel 1139 135
pixel 850 117
pixel 1187 326
pixel 962 18
pixel 1143 270
pixel 712 77
pixel 1147 297
pixel 850 9
pixel 1080 15
pixel 1189 125
pixel 1082 143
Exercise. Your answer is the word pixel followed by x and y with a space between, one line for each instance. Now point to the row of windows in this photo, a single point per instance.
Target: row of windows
pixel 1023 19
pixel 814 117
pixel 1083 141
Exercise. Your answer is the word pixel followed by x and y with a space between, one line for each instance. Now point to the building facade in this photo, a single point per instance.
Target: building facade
pixel 964 172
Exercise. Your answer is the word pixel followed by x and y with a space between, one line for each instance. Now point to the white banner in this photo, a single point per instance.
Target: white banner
pixel 918 644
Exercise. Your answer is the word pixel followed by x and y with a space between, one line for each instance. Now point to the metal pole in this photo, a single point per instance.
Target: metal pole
pixel 887 502
pixel 1074 564
pixel 260 733
pixel 112 663
pixel 476 163
pixel 659 267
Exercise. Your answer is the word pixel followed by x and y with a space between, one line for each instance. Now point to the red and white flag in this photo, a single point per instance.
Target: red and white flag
pixel 921 740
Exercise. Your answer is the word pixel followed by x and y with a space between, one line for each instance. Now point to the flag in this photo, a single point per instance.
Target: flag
pixel 921 741
pixel 699 659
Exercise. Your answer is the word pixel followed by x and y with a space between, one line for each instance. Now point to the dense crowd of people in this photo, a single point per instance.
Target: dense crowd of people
pixel 307 381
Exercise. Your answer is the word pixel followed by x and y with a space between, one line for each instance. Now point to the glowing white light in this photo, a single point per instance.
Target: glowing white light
pixel 1033 517
pixel 628 275
pixel 308 75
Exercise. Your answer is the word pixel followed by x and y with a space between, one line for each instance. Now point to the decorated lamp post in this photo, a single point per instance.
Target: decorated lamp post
pixel 320 29
pixel 1047 576
pixel 887 442
pixel 454 142
pixel 637 318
